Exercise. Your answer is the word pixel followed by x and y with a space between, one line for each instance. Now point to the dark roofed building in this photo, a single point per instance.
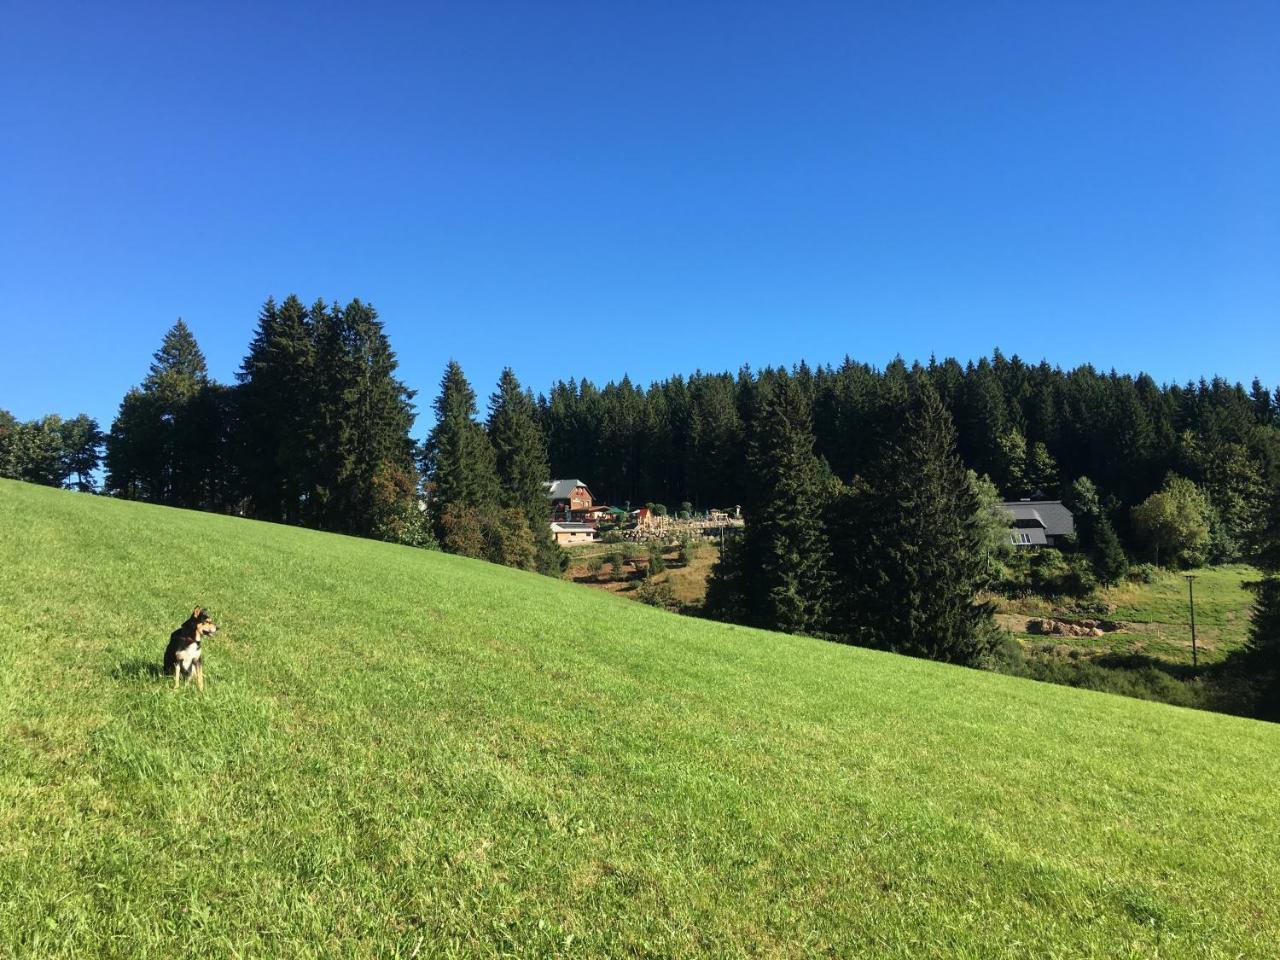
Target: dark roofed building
pixel 1038 523
pixel 568 497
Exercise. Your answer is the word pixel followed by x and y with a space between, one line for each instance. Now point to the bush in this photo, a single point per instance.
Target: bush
pixel 1080 580
pixel 616 561
pixel 509 541
pixel 595 564
pixel 689 546
pixel 1144 573
pixel 1050 573
pixel 657 563
pixel 656 595
pixel 395 514
pixel 612 536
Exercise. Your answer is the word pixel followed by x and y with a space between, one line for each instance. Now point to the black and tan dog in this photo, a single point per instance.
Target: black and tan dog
pixel 182 656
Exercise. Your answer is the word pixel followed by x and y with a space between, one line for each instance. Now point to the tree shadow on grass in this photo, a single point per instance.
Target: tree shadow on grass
pixel 1141 661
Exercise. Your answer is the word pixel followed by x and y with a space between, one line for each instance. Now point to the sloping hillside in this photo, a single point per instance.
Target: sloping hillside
pixel 400 753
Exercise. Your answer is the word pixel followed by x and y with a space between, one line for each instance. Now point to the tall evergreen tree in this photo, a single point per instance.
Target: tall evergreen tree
pixel 178 369
pixel 459 458
pixel 520 458
pixel 278 402
pixel 381 411
pixel 1109 560
pixel 780 581
pixel 911 553
pixel 158 449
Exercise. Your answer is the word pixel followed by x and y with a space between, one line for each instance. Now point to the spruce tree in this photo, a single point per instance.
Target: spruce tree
pixel 155 450
pixel 779 568
pixel 333 416
pixel 1109 560
pixel 459 457
pixel 381 409
pixel 520 455
pixel 277 406
pixel 178 369
pixel 911 550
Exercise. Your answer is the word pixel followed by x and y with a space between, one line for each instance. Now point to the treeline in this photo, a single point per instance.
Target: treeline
pixel 1033 429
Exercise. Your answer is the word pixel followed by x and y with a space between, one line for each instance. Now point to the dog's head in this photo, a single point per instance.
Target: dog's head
pixel 203 625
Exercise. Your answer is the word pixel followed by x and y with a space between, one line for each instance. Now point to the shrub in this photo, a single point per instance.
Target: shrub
pixel 463 531
pixel 1080 580
pixel 1144 573
pixel 657 563
pixel 395 514
pixel 616 561
pixel 509 541
pixel 656 595
pixel 689 546
pixel 595 564
pixel 1050 574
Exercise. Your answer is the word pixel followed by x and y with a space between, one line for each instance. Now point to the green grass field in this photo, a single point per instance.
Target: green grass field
pixel 1161 609
pixel 402 754
pixel 1156 616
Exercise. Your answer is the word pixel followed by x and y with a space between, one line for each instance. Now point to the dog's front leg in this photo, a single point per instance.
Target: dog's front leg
pixel 177 675
pixel 199 675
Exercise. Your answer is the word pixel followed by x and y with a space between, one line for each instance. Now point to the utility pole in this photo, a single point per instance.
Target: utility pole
pixel 1191 598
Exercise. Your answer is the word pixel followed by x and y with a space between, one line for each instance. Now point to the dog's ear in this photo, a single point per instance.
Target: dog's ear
pixel 195 614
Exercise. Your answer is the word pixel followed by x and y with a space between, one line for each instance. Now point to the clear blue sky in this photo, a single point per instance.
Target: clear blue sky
pixel 602 187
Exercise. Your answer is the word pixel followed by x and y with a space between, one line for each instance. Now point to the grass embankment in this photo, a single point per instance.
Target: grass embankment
pixel 403 753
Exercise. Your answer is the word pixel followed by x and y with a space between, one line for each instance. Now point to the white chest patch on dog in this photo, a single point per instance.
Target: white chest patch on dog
pixel 188 656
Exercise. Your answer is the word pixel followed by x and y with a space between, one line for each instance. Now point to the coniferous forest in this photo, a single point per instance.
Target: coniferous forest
pixel 868 492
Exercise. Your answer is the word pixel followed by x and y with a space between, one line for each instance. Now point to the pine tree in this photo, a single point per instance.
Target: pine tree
pixel 381 408
pixel 1109 560
pixel 333 416
pixel 178 369
pixel 911 550
pixel 783 555
pixel 277 409
pixel 157 450
pixel 520 455
pixel 459 457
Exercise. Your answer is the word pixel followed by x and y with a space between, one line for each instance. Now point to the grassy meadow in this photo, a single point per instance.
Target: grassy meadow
pixel 407 754
pixel 1154 617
